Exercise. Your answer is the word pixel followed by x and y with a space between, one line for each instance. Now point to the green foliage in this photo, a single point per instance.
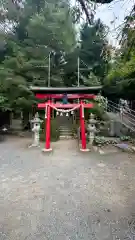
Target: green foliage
pixel 94 53
pixel 93 80
pixel 120 80
pixel 125 138
pixel 38 27
pixel 102 141
pixel 97 110
pixel 55 134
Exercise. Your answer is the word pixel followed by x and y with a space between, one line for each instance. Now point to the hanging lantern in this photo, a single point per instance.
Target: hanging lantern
pixel 72 112
pixel 61 114
pixel 67 114
pixel 57 113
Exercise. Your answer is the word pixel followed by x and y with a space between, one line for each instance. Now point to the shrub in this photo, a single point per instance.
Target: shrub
pixel 96 110
pixel 54 131
pixel 74 128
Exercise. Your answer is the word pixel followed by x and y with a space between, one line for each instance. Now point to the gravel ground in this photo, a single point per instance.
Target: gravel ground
pixel 65 194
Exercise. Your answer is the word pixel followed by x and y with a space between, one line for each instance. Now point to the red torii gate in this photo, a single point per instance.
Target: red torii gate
pixel 41 94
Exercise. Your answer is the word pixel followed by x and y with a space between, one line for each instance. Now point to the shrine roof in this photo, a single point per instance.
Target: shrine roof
pixel 71 90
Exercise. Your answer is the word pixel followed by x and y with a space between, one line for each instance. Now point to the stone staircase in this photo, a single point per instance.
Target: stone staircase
pixel 126 119
pixel 65 127
pixel 65 132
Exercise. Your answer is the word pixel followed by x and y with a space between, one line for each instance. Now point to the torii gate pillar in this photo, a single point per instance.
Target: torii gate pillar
pixel 82 128
pixel 48 129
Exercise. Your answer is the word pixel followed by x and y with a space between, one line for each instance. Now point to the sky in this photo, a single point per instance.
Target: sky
pixel 113 16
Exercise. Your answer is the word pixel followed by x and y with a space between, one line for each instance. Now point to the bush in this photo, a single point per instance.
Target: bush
pixel 96 110
pixel 55 134
pixel 74 128
pixel 102 141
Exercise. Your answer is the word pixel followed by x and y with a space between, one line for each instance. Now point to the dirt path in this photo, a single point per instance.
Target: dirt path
pixel 65 194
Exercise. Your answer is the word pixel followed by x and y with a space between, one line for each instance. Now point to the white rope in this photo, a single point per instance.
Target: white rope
pixel 46 111
pixel 82 111
pixel 63 110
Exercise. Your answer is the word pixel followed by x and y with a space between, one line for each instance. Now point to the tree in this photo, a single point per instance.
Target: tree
pixel 37 29
pixel 94 51
pixel 94 56
pixel 85 6
pixel 120 80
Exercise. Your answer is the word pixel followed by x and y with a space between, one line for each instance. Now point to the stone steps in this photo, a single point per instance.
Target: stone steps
pixel 65 132
pixel 65 137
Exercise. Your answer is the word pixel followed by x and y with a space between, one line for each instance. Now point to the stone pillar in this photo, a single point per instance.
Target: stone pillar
pixel 92 128
pixel 36 130
pixel 112 128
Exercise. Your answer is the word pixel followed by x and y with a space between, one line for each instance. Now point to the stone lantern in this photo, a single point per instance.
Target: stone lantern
pixel 36 130
pixel 92 128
